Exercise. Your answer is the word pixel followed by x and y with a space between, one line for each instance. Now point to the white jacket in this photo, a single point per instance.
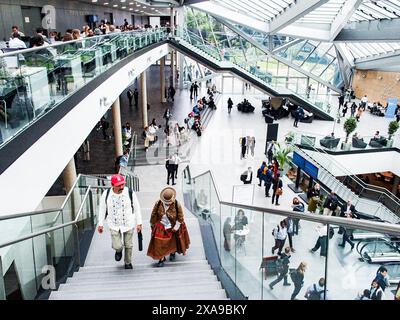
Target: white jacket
pixel 281 234
pixel 120 216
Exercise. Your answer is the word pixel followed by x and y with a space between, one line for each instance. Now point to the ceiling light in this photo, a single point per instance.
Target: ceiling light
pixel 144 7
pixel 105 3
pixel 137 5
pixel 131 3
pixel 123 7
pixel 130 9
pixel 137 10
pixel 123 0
pixel 94 0
pixel 115 5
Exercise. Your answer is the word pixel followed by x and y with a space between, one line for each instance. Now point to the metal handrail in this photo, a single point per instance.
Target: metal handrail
pixel 379 227
pixel 358 181
pixel 109 36
pixel 36 234
pixel 33 213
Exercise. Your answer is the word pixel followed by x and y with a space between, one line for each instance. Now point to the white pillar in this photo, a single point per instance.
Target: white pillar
pixel 181 67
pixel 162 79
pixel 116 115
pixel 171 21
pixel 143 97
pixel 69 175
pixel 173 68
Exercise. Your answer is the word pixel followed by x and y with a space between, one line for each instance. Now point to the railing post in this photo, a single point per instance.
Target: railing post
pixel 2 286
pixel 91 208
pixel 326 259
pixel 77 246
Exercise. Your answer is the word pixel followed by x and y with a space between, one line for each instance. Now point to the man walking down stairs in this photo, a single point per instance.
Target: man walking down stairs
pixel 189 277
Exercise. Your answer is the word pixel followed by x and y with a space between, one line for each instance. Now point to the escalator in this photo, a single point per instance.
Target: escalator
pixel 381 250
pixel 249 73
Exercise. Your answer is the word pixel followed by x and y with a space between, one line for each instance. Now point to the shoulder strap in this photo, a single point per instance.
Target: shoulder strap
pixel 107 194
pixel 130 191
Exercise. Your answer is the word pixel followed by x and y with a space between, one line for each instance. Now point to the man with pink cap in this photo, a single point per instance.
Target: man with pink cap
pixel 120 208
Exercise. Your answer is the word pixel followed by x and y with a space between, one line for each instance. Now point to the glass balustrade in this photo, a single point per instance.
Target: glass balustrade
pixel 34 81
pixel 244 240
pixel 245 56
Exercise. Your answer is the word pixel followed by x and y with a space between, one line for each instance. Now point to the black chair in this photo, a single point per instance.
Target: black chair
pixel 329 142
pixel 268 119
pixel 378 143
pixel 358 143
pixel 307 119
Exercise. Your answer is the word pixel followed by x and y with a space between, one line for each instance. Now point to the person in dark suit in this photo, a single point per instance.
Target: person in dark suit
pixel 243 144
pixel 283 270
pixel 136 97
pixel 347 233
pixel 277 185
pixel 170 166
pixel 129 93
pixel 347 208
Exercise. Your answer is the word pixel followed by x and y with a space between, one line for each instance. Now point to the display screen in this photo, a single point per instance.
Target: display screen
pixel 305 165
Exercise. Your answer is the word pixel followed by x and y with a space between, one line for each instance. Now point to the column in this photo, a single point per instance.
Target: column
pixel 69 175
pixel 181 67
pixel 143 98
pixel 395 184
pixel 171 21
pixel 162 79
pixel 116 115
pixel 173 69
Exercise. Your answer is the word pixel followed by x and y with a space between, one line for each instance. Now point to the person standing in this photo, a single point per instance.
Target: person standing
pixel 230 105
pixel 195 89
pixel 243 143
pixel 297 206
pixel 382 278
pixel 136 97
pixel 170 166
pixel 331 204
pixel 353 109
pixel 177 161
pixel 298 279
pixel 191 91
pixel 167 116
pixel 261 173
pixel 313 196
pixel 169 234
pixel 171 93
pixel 277 191
pixel 227 231
pixel 120 208
pixel 270 152
pixel 129 93
pixel 345 108
pixel 104 124
pixel 280 235
pixel 86 150
pixel 297 117
pixel 282 268
pixel 268 181
pixel 251 145
pixel 341 100
pixel 376 292
pixel 364 101
pixel 360 111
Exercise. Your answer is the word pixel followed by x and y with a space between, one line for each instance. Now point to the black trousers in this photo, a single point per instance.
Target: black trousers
pixel 346 238
pixel 296 226
pixel 321 243
pixel 171 175
pixel 297 288
pixel 279 245
pixel 296 121
pixel 267 188
pixel 275 196
pixel 176 171
pixel 290 236
pixel 282 276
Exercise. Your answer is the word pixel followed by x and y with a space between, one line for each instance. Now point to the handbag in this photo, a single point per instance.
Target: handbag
pixel 279 192
pixel 140 240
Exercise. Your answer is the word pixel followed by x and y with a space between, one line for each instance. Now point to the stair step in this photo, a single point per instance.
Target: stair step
pixel 165 295
pixel 143 265
pixel 149 269
pixel 129 274
pixel 131 286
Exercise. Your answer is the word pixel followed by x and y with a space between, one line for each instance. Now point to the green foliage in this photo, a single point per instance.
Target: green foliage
pixel 282 154
pixel 349 126
pixel 393 127
pixel 289 137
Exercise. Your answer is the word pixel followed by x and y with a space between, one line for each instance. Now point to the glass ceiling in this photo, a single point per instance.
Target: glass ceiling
pixel 325 13
pixel 264 10
pixel 367 49
pixel 373 10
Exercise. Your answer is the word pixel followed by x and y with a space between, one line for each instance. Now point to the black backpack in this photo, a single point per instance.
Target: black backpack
pixel 130 191
pixel 315 294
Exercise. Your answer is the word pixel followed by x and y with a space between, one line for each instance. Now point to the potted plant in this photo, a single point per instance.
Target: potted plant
pixel 289 138
pixel 349 126
pixel 393 127
pixel 282 156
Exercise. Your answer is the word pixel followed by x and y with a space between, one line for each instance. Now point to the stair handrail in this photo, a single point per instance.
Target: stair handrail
pixel 39 233
pixel 358 181
pixel 379 227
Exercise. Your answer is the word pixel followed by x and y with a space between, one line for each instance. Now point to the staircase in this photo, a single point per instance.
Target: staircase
pixel 211 58
pixel 102 278
pixel 345 193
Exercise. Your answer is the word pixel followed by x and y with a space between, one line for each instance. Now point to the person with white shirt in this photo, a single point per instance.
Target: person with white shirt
pixel 364 101
pixel 16 42
pixel 247 176
pixel 280 235
pixel 120 208
pixel 317 291
pixel 322 241
pixel 177 160
pixel 169 233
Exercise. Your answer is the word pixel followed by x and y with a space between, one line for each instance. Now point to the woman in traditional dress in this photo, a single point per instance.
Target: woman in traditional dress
pixel 169 233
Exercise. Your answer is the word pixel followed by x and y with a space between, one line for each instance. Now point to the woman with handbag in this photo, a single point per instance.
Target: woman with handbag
pixel 277 191
pixel 297 277
pixel 169 234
